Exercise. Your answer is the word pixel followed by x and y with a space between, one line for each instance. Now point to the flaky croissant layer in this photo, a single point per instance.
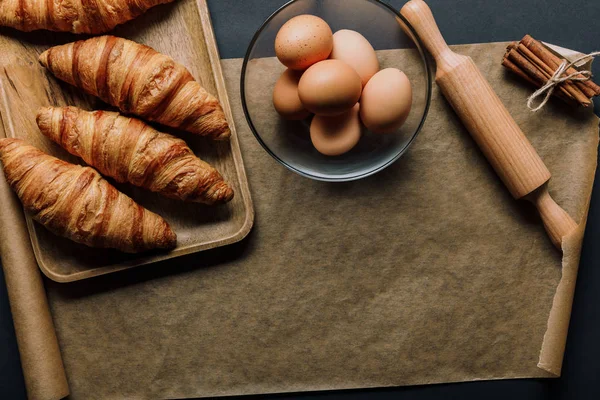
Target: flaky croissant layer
pixel 76 202
pixel 77 16
pixel 139 80
pixel 128 150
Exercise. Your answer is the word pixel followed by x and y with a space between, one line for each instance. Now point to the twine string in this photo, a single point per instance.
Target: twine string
pixel 557 79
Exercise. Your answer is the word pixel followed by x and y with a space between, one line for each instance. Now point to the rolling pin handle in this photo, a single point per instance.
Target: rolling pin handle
pixel 418 13
pixel 558 222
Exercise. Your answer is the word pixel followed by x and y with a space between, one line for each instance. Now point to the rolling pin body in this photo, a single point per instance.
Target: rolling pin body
pixel 488 121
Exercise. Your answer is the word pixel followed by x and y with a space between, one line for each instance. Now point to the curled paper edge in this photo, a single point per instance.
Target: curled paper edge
pixel 555 339
pixel 41 359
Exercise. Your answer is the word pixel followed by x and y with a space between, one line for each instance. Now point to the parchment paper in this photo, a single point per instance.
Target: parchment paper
pixel 427 272
pixel 41 361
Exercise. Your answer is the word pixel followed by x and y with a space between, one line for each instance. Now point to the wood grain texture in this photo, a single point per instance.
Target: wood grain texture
pixel 497 135
pixel 181 30
pixel 556 220
pixel 488 121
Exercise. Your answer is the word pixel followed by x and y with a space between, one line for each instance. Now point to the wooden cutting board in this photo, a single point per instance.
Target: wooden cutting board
pixel 182 30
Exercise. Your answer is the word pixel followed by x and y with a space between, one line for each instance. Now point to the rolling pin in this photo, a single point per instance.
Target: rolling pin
pixel 494 130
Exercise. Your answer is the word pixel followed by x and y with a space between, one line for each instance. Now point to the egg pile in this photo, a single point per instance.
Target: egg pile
pixel 336 77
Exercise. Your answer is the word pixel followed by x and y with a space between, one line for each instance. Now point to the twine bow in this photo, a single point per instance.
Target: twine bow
pixel 557 79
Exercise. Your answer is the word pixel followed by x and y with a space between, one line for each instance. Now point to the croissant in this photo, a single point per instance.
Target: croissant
pixel 138 80
pixel 128 150
pixel 76 202
pixel 77 16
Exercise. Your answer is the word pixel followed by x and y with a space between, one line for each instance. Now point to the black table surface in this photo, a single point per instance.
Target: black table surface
pixel 566 23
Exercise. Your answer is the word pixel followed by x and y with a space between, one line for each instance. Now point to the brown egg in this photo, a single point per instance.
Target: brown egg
pixel 334 136
pixel 386 101
pixel 303 41
pixel 329 88
pixel 285 96
pixel 355 50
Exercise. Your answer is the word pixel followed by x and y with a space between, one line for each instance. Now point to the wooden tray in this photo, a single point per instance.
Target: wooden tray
pixel 182 30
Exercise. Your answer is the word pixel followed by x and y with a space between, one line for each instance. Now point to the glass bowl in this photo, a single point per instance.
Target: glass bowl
pixel 289 141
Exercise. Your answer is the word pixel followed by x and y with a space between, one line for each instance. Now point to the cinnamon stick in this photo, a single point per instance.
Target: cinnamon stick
pixel 553 61
pixel 528 68
pixel 516 70
pixel 533 62
pixel 578 91
pixel 536 74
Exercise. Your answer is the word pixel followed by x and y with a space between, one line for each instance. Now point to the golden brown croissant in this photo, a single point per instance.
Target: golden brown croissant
pixel 128 150
pixel 76 202
pixel 138 80
pixel 77 16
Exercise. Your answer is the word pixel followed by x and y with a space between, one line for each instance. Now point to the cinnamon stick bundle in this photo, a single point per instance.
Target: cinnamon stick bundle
pixel 535 63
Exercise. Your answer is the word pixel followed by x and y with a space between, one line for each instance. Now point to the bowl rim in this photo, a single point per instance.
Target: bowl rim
pixel 428 69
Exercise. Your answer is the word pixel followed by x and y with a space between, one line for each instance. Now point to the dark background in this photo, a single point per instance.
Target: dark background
pixel 565 23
